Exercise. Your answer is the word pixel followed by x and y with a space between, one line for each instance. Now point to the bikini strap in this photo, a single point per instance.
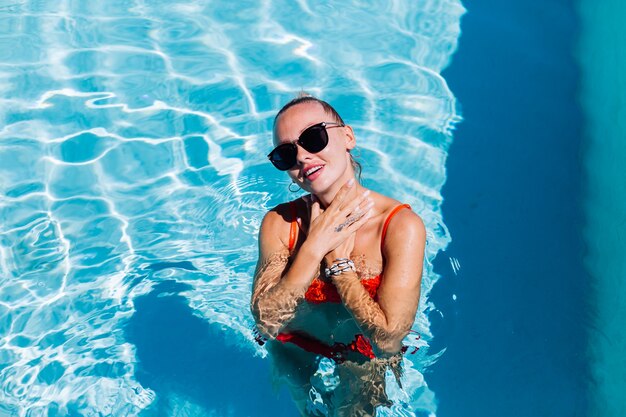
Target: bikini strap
pixel 294 225
pixel 387 220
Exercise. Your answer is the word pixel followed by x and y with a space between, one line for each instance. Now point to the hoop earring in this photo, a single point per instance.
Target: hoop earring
pixel 293 183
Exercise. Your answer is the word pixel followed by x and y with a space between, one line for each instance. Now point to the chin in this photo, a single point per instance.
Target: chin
pixel 321 184
pixel 318 187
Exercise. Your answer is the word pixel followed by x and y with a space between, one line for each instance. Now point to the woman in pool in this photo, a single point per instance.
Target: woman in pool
pixel 319 289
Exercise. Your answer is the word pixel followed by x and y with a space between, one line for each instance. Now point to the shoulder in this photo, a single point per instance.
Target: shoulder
pixel 406 217
pixel 404 227
pixel 276 222
pixel 281 214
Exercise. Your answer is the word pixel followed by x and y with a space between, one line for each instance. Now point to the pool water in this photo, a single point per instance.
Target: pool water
pixel 604 99
pixel 133 179
pixel 535 202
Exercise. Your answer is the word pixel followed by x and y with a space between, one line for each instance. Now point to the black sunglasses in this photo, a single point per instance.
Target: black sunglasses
pixel 313 140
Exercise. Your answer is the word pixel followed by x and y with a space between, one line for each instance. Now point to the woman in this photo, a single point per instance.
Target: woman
pixel 319 289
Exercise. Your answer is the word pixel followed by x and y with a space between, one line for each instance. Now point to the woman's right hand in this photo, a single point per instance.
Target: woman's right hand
pixel 341 219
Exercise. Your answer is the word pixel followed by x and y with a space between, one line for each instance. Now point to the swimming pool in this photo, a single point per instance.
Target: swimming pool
pixel 535 204
pixel 133 179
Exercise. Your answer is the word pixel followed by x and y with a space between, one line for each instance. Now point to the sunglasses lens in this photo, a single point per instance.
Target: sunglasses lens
pixel 314 139
pixel 284 156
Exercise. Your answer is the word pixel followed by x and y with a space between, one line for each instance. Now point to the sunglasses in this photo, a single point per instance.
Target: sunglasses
pixel 313 140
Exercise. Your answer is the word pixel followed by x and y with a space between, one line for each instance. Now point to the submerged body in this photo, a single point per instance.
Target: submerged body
pixel 359 317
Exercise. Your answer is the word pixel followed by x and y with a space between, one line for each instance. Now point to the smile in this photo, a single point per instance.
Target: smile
pixel 312 170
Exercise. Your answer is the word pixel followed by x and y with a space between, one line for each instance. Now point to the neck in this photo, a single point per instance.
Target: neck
pixel 328 196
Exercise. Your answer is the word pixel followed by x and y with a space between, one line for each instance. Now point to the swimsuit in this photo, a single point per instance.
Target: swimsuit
pixel 325 292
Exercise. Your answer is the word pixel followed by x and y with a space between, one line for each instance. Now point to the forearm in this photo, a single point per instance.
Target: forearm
pixel 274 301
pixel 385 335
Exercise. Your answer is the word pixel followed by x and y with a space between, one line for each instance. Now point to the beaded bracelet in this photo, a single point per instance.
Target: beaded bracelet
pixel 339 266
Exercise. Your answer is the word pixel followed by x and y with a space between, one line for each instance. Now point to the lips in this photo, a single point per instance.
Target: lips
pixel 313 172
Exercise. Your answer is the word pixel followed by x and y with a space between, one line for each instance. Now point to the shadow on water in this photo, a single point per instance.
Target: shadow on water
pixel 193 366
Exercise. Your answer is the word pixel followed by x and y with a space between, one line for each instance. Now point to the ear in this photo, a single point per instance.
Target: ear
pixel 350 139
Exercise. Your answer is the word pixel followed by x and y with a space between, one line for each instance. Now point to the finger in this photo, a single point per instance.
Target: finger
pixel 356 209
pixel 363 209
pixel 315 208
pixel 319 203
pixel 360 220
pixel 361 203
pixel 341 194
pixel 307 201
pixel 350 220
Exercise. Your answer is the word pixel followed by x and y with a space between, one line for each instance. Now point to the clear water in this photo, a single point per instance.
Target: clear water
pixel 133 179
pixel 516 335
pixel 535 200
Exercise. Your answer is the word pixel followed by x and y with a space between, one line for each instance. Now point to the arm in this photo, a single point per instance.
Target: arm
pixel 389 320
pixel 277 287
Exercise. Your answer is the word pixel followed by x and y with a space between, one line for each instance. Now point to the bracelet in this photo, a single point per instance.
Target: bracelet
pixel 339 266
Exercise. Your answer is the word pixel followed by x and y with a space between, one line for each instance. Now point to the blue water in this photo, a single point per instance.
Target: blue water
pixel 133 179
pixel 517 334
pixel 604 99
pixel 535 202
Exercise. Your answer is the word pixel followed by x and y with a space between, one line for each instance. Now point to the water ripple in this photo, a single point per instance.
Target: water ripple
pixel 132 152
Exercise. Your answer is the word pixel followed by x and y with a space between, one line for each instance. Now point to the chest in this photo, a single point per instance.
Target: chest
pixel 323 315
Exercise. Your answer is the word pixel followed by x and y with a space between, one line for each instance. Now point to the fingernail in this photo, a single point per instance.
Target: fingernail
pixel 351 181
pixel 366 193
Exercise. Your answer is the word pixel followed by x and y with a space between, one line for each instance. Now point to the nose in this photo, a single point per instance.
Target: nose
pixel 302 154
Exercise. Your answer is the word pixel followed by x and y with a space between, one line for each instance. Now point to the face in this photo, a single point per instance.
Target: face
pixel 333 161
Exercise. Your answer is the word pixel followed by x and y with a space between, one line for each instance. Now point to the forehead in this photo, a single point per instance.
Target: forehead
pixel 297 118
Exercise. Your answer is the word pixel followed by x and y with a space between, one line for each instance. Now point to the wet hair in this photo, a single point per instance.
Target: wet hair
pixel 307 98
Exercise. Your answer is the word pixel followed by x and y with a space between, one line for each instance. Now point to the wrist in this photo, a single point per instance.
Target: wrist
pixel 347 276
pixel 332 256
pixel 311 251
pixel 338 267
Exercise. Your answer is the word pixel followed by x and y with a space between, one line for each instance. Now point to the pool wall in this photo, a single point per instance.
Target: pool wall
pixel 603 95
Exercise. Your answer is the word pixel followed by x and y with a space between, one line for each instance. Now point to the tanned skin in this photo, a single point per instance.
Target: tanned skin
pixel 281 279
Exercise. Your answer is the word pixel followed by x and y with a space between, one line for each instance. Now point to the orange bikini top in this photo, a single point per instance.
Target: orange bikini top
pixel 321 291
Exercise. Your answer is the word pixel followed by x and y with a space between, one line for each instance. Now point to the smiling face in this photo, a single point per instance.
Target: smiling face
pixel 323 172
